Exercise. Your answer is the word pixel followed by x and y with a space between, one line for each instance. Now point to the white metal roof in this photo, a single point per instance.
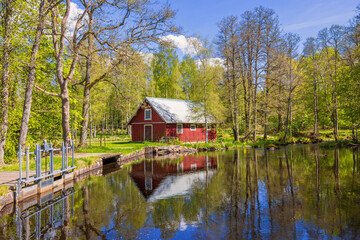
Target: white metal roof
pixel 178 111
pixel 179 185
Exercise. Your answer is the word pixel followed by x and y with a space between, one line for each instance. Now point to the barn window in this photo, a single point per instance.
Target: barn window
pixel 193 127
pixel 148 114
pixel 208 127
pixel 179 129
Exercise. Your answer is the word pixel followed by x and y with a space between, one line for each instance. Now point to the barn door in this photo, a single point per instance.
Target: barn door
pixel 148 133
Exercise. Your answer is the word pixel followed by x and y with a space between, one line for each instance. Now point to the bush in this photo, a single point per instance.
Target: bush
pixel 228 145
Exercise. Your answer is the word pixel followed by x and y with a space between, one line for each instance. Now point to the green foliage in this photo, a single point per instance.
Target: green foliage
pixel 3 190
pixel 166 74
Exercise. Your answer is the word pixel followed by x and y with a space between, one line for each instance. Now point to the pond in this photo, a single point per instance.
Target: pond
pixel 297 192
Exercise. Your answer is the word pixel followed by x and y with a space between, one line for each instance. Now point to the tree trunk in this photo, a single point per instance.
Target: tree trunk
pixel 5 78
pixel 31 77
pixel 287 118
pixel 85 116
pixel 86 102
pixel 65 114
pixel 266 117
pixel 205 112
pixel 237 125
pixel 316 110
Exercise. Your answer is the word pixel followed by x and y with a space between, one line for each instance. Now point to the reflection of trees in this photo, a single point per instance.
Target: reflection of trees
pixel 256 194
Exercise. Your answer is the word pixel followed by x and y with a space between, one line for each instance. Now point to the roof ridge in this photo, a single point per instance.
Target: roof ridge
pixel 175 99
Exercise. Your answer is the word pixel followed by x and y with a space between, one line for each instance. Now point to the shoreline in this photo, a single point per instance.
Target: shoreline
pixel 96 167
pixel 39 190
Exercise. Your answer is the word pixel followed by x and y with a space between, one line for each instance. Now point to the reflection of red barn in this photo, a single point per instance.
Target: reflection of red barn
pixel 148 175
pixel 161 117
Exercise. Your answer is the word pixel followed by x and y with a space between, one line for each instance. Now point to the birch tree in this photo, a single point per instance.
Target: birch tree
pixel 7 16
pixel 291 42
pixel 136 25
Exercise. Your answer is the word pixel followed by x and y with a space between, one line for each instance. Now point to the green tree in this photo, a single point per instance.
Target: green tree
pixel 166 73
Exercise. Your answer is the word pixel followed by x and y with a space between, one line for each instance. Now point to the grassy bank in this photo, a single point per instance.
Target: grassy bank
pixel 123 144
pixel 119 144
pixel 114 144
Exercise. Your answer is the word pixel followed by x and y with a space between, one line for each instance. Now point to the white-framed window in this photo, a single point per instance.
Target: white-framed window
pixel 192 127
pixel 209 127
pixel 179 129
pixel 148 114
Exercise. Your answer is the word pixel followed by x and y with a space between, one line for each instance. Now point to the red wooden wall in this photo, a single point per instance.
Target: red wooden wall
pixel 139 116
pixel 137 131
pixel 160 128
pixel 138 121
pixel 188 135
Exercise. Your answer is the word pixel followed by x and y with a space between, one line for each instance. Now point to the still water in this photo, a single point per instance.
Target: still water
pixel 297 192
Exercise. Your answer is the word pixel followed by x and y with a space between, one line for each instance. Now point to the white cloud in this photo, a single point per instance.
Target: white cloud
pixel 216 62
pixel 212 62
pixel 75 13
pixel 147 57
pixel 186 45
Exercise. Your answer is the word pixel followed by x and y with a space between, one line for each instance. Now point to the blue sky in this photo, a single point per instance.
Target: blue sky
pixel 304 17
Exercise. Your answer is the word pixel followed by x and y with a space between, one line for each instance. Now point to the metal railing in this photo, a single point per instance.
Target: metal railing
pixel 48 217
pixel 45 148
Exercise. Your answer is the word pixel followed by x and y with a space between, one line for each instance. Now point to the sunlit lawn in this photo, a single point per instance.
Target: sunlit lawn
pixel 45 163
pixel 123 147
pixel 123 144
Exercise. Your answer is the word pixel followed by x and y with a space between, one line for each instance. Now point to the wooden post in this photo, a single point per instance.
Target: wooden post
pixel 100 140
pixel 104 141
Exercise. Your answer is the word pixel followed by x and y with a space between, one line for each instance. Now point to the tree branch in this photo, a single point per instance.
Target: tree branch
pixel 46 92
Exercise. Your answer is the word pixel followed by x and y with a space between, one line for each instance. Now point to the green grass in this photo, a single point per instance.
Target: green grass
pixel 3 190
pixel 78 162
pixel 123 147
pixel 114 144
pixel 123 144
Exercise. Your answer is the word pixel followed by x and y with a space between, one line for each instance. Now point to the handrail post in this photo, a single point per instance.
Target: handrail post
pixel 62 157
pixel 27 153
pixel 36 165
pixel 38 161
pixel 72 154
pixel 20 158
pixel 51 159
pixel 66 156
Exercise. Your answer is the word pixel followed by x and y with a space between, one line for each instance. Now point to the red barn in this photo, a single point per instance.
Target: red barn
pixel 161 117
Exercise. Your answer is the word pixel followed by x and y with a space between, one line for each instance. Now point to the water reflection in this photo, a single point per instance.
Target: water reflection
pixel 158 180
pixel 44 218
pixel 296 192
